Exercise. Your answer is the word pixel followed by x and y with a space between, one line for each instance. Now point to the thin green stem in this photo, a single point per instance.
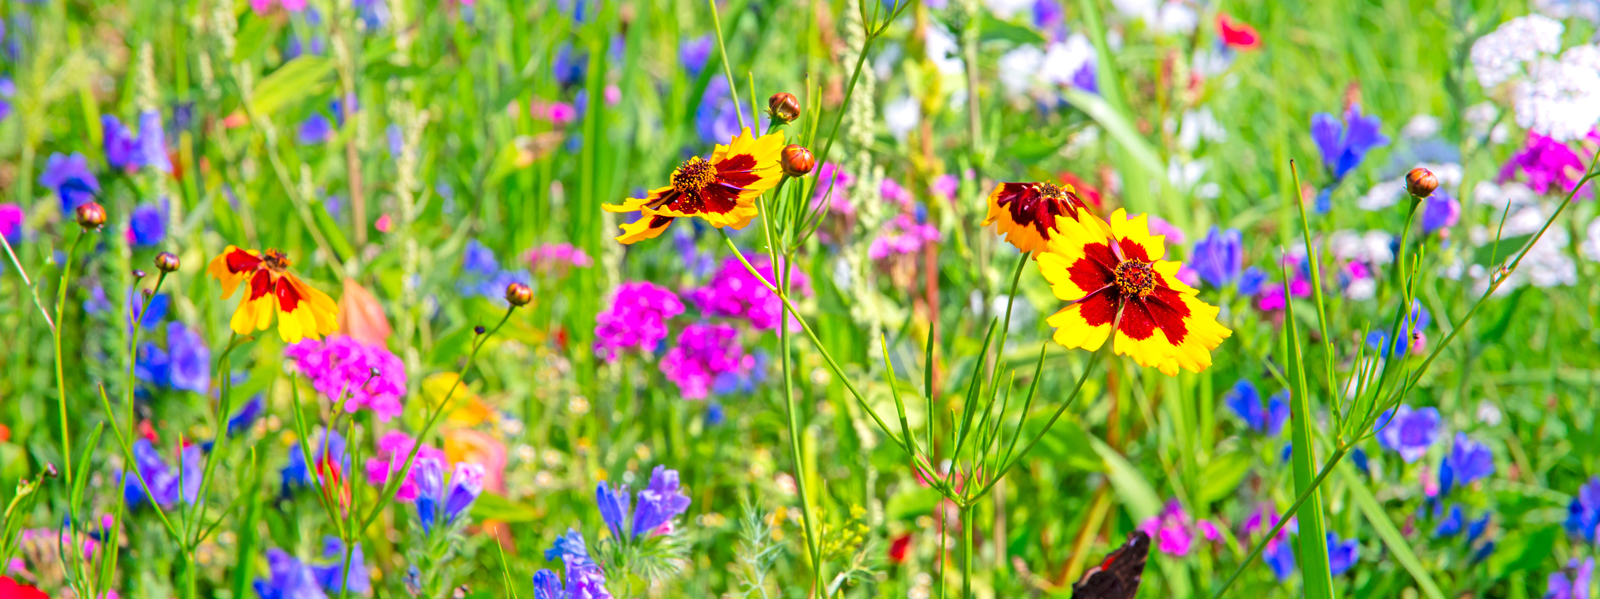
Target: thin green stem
pixel 1255 552
pixel 61 369
pixel 1077 390
pixel 28 282
pixel 1322 310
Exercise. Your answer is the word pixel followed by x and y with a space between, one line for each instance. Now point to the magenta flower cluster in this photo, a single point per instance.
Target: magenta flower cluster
pixel 374 378
pixel 636 320
pixel 704 350
pixel 736 293
pixel 902 235
pixel 393 449
pixel 557 259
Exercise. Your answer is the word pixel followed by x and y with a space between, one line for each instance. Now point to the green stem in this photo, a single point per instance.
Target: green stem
pixel 61 372
pixel 1256 551
pixel 966 551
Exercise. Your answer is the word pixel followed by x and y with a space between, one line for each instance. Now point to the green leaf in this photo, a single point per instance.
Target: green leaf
pixel 1223 474
pixel 1399 547
pixel 1136 493
pixel 1509 246
pixel 993 29
pixel 1066 446
pixel 298 79
pixel 490 506
pixel 1031 147
pixel 1523 550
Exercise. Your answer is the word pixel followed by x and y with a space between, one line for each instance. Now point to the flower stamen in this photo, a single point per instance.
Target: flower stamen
pixel 1135 277
pixel 693 176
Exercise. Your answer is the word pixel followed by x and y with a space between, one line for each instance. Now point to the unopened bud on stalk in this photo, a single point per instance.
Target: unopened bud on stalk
pixel 478 330
pixel 91 215
pixel 519 294
pixel 138 273
pixel 797 161
pixel 783 107
pixel 167 262
pixel 1420 182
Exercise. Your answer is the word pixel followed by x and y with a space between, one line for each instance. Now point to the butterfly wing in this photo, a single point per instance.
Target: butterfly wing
pixel 1118 576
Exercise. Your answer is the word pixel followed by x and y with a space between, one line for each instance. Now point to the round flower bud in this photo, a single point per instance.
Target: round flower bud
pixel 478 330
pixel 138 273
pixel 91 215
pixel 784 107
pixel 797 161
pixel 167 262
pixel 1420 182
pixel 519 294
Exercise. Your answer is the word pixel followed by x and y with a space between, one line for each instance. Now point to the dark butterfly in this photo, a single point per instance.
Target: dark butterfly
pixel 1118 576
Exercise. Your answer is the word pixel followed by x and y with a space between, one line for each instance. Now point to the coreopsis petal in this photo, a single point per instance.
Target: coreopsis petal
pixel 1029 215
pixel 721 190
pixel 232 267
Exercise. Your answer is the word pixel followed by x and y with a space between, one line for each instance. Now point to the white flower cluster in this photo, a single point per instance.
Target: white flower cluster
pixel 1162 16
pixel 1027 67
pixel 1561 98
pixel 1371 247
pixel 1499 56
pixel 1561 9
pixel 1548 263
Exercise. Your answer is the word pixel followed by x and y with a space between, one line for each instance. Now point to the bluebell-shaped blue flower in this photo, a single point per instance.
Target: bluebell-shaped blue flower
pixel 715 414
pixel 1251 280
pixel 1245 401
pixel 1469 461
pixel 163 483
pixel 1279 556
pixel 147 225
pixel 430 490
pixel 152 365
pixel 329 446
pixel 569 66
pixel 1414 323
pixel 316 129
pixel 615 503
pixel 246 416
pixel 1344 145
pixel 585 579
pixel 1477 527
pixel 1583 514
pixel 1358 457
pixel 1451 524
pixel 189 360
pixel 288 578
pixel 466 484
pixel 1219 257
pixel 659 503
pixel 70 178
pixel 327 573
pixel 1558 586
pixel 1482 552
pixel 121 145
pixel 1342 555
pixel 1086 79
pixel 1408 432
pixel 695 52
pixel 152 149
pixel 716 120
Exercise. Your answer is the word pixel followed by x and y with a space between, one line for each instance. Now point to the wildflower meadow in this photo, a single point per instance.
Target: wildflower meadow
pixel 804 299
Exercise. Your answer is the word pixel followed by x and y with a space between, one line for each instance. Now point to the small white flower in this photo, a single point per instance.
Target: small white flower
pixel 1488 413
pixel 1199 125
pixel 1382 195
pixel 1421 126
pixel 1502 54
pixel 901 116
pixel 942 50
pixel 1019 68
pixel 1591 241
pixel 1362 289
pixel 1565 9
pixel 1006 9
pixel 1513 194
pixel 1063 59
pixel 1378 247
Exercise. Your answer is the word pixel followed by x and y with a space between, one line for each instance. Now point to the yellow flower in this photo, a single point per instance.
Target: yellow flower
pixel 303 311
pixel 722 190
pixel 1031 214
pixel 1115 277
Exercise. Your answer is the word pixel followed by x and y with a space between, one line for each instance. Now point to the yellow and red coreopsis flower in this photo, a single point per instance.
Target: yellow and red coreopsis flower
pixel 1031 214
pixel 302 311
pixel 721 190
pixel 1115 278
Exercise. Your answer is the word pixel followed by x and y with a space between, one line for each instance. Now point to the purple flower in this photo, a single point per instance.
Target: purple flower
pixel 71 179
pixel 1049 17
pixel 374 13
pixel 1172 529
pixel 152 148
pixel 736 293
pixel 316 129
pixel 147 226
pixel 1280 557
pixel 374 378
pixel 704 351
pixel 8 88
pixel 1578 587
pixel 121 145
pixel 1583 514
pixel 189 360
pixel 97 302
pixel 466 483
pixel 1344 145
pixel 569 67
pixel 11 217
pixel 1267 418
pixel 1251 280
pixel 157 309
pixel 429 476
pixel 694 53
pixel 1086 79
pixel 327 573
pixel 716 119
pixel 1410 333
pixel 1546 164
pixel 1477 527
pixel 482 275
pixel 1342 555
pixel 833 188
pixel 393 449
pixel 659 503
pixel 636 320
pixel 289 578
pixel 1219 257
pixel 1469 461
pixel 614 503
pixel 1407 431
pixel 570 548
pixel 901 236
pixel 164 488
pixel 246 416
pixel 1440 211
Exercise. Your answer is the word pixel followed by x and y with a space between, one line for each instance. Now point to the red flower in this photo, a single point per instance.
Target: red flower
pixel 899 548
pixel 1237 34
pixel 11 589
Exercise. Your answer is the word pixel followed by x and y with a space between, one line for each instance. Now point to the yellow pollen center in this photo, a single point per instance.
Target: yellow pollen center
pixel 694 175
pixel 1135 277
pixel 1052 191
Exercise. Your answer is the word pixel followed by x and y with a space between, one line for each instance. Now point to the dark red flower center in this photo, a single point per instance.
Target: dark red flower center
pixel 694 175
pixel 276 260
pixel 1135 278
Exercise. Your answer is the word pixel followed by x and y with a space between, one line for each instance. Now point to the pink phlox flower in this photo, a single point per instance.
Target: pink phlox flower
pixel 393 449
pixel 372 377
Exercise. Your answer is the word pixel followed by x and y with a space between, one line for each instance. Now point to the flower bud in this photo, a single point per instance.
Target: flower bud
pixel 91 215
pixel 138 273
pixel 1420 182
pixel 783 107
pixel 797 161
pixel 519 294
pixel 478 330
pixel 167 262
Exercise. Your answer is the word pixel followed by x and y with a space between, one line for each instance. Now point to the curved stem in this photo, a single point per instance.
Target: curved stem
pixel 61 372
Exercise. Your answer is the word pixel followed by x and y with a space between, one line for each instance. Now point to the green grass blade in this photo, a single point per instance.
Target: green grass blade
pixel 1313 542
pixel 1399 547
